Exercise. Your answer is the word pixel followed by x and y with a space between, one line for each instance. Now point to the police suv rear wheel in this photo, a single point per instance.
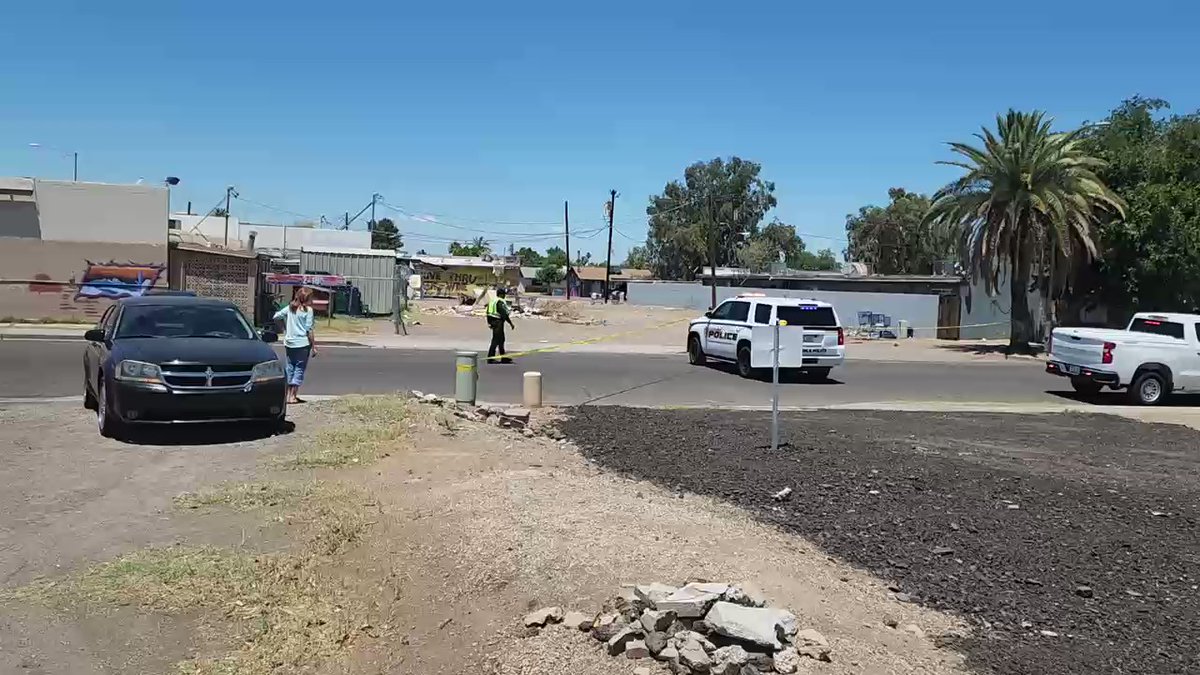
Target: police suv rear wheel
pixel 743 361
pixel 695 352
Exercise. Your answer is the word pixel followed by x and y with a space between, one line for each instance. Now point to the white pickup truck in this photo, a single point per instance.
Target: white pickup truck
pixel 1154 356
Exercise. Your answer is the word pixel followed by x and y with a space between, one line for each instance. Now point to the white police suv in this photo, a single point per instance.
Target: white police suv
pixel 742 330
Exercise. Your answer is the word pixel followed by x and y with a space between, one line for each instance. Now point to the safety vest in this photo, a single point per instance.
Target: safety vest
pixel 493 308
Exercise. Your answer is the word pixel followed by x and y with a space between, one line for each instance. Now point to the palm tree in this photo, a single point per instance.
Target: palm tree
pixel 1029 197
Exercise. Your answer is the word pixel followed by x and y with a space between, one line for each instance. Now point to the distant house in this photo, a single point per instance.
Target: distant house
pixel 530 283
pixel 584 281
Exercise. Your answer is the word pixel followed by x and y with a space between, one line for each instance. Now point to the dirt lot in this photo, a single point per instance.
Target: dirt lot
pixel 1068 542
pixel 374 538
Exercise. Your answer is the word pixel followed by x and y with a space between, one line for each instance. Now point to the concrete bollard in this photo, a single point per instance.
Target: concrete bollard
pixel 466 374
pixel 532 389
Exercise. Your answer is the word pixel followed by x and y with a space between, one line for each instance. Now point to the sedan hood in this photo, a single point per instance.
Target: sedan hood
pixel 192 350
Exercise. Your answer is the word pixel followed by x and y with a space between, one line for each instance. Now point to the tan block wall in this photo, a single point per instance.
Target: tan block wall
pixel 69 280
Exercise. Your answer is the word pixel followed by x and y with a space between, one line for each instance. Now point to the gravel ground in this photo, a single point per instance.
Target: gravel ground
pixel 1068 541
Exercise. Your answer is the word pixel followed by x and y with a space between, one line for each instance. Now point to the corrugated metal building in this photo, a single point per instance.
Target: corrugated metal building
pixel 372 271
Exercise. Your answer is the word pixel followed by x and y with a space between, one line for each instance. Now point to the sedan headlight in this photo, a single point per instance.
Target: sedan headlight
pixel 268 370
pixel 138 371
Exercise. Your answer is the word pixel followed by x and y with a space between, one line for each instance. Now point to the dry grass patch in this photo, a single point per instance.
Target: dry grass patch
pixel 368 428
pixel 286 612
pixel 246 496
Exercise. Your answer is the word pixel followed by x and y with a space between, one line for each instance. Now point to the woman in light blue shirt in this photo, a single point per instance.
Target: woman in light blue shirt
pixel 298 340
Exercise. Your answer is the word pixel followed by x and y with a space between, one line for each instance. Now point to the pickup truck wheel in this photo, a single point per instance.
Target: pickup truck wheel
pixel 1149 388
pixel 695 351
pixel 743 361
pixel 1085 387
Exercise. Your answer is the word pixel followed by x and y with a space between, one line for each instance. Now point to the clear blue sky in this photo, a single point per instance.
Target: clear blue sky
pixel 498 111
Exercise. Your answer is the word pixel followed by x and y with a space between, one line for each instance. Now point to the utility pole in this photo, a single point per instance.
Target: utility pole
pixel 612 206
pixel 567 229
pixel 75 174
pixel 347 221
pixel 374 197
pixel 712 252
pixel 228 193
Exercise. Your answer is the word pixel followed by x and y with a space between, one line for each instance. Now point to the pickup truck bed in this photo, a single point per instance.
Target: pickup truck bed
pixel 1156 355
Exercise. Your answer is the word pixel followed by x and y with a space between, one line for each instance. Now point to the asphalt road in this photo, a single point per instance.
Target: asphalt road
pixel 52 369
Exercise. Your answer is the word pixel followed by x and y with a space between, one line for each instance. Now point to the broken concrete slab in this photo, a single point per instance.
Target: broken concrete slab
pixel 756 625
pixel 728 660
pixel 812 644
pixel 652 593
pixel 692 655
pixel 636 649
pixel 745 594
pixel 543 616
pixel 617 643
pixel 787 661
pixel 693 600
pixel 659 620
pixel 518 414
pixel 577 621
pixel 656 642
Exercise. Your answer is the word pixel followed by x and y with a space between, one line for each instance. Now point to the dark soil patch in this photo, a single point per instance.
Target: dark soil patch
pixel 999 518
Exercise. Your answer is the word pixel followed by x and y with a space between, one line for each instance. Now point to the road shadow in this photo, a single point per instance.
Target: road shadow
pixel 786 376
pixel 219 433
pixel 981 349
pixel 1119 398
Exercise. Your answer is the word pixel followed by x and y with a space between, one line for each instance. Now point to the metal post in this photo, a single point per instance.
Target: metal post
pixel 612 206
pixel 775 388
pixel 567 229
pixel 466 373
pixel 75 173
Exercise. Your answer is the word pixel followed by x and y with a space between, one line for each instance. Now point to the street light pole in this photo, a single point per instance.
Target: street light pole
pixel 75 170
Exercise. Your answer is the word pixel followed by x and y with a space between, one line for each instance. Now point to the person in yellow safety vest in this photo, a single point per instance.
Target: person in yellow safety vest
pixel 497 315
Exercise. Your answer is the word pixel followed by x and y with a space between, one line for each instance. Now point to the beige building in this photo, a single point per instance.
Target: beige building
pixel 68 249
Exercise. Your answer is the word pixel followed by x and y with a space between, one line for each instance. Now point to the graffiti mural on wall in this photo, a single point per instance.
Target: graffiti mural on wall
pixel 113 280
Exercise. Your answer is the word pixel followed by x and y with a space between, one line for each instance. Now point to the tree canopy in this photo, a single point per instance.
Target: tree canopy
pixel 1029 197
pixel 384 234
pixel 555 256
pixel 476 247
pixel 895 239
pixel 530 257
pixel 638 258
pixel 718 203
pixel 1150 259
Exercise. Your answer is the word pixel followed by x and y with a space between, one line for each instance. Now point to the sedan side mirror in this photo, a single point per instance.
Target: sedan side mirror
pixel 94 335
pixel 708 314
pixel 270 336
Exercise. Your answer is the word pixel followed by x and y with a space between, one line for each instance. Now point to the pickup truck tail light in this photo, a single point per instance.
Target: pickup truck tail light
pixel 1106 357
pixel 841 336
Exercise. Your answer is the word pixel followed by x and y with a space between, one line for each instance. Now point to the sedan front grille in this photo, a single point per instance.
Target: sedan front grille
pixel 201 376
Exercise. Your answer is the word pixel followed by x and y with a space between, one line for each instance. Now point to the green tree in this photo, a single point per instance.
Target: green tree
pixel 218 212
pixel 555 256
pixel 895 239
pixel 384 234
pixel 530 257
pixel 706 214
pixel 821 261
pixel 476 247
pixel 550 274
pixel 1029 197
pixel 638 258
pixel 1150 259
pixel 583 259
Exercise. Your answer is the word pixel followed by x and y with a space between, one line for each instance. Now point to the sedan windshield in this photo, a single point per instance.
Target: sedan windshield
pixel 168 321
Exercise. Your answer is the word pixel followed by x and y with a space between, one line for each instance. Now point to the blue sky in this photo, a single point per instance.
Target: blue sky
pixel 495 113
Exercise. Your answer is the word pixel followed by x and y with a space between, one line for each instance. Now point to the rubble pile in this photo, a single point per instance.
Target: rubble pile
pixel 505 417
pixel 699 628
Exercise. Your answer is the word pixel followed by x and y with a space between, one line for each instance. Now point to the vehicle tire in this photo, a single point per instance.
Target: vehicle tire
pixel 743 361
pixel 89 399
pixel 107 423
pixel 819 374
pixel 1148 388
pixel 1085 387
pixel 696 355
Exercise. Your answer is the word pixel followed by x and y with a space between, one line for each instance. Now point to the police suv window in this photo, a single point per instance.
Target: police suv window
pixel 722 311
pixel 806 315
pixel 739 311
pixel 762 314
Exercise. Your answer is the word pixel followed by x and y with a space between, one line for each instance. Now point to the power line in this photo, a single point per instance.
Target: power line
pixel 430 218
pixel 276 208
